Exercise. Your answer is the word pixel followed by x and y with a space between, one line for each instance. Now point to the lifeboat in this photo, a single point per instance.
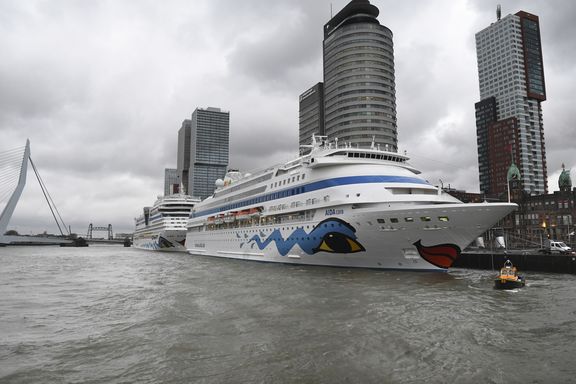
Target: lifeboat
pixel 509 278
pixel 243 215
pixel 219 219
pixel 230 217
pixel 254 212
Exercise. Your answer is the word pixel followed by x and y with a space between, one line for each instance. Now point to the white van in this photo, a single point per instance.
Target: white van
pixel 555 246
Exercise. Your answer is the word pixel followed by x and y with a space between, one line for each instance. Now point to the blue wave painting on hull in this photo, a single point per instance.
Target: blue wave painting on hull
pixel 331 235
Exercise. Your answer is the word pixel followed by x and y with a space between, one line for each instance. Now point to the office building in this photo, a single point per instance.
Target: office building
pixel 209 150
pixel 509 121
pixel 359 83
pixel 311 114
pixel 171 181
pixel 183 160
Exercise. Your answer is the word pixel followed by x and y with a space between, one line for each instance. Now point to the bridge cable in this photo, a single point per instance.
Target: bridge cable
pixel 10 163
pixel 49 200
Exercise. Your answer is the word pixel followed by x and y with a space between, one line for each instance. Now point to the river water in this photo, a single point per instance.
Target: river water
pixel 108 314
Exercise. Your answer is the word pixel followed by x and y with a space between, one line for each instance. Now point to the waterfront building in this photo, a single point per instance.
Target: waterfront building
pixel 311 114
pixel 209 150
pixel 183 160
pixel 359 92
pixel 539 217
pixel 509 121
pixel 548 216
pixel 359 82
pixel 171 181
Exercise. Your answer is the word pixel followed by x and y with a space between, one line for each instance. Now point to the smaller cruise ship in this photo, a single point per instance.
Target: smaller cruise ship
pixel 162 227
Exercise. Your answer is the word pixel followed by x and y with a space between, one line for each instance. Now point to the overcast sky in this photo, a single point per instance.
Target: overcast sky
pixel 100 87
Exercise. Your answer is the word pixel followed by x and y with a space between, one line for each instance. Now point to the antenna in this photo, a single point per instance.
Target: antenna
pixel 498 12
pixel 330 10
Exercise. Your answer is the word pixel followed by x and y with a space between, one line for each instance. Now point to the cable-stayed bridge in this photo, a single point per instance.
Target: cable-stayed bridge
pixel 13 172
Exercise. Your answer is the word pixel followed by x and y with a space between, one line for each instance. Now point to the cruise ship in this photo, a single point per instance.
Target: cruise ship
pixel 340 206
pixel 163 226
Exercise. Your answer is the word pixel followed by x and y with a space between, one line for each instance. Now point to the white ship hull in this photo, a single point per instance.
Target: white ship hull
pixel 342 207
pixel 381 246
pixel 168 241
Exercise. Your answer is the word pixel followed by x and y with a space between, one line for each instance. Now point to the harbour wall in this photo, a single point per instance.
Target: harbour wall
pixel 524 261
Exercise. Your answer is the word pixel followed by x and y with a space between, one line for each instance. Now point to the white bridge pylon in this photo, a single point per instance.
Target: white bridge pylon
pixel 11 204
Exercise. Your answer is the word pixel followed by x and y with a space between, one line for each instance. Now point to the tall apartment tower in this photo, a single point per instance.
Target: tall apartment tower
pixel 209 150
pixel 183 160
pixel 311 113
pixel 509 116
pixel 359 83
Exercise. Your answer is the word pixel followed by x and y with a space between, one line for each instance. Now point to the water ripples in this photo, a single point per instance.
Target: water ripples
pixel 115 315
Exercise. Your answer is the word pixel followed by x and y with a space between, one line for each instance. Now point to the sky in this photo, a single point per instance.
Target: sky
pixel 101 87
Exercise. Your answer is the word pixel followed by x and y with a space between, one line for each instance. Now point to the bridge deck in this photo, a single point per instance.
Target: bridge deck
pixel 15 240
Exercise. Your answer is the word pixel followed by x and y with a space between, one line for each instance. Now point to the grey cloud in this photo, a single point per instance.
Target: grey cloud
pixel 101 87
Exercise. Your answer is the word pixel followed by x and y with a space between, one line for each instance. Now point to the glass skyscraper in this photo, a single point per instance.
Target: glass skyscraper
pixel 183 161
pixel 209 150
pixel 311 114
pixel 171 181
pixel 509 115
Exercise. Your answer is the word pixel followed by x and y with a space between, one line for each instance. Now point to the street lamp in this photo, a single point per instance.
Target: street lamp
pixel 544 230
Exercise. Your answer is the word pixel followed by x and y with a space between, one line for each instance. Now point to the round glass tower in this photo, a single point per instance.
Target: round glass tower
pixel 359 88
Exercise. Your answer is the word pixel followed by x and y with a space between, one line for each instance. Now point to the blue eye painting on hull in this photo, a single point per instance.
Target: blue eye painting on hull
pixel 331 235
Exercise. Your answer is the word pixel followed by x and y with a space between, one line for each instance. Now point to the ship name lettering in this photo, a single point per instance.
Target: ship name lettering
pixel 332 211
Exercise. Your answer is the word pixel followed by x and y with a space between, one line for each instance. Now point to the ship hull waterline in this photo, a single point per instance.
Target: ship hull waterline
pixel 359 238
pixel 166 241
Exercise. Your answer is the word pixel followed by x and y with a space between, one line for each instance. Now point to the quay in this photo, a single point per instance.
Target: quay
pixel 525 260
pixel 59 241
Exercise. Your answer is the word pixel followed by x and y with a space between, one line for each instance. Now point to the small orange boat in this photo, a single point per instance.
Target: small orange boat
pixel 509 277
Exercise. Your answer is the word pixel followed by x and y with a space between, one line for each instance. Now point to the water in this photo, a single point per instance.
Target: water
pixel 108 314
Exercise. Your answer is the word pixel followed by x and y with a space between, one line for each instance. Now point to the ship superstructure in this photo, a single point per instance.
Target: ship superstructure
pixel 339 205
pixel 163 226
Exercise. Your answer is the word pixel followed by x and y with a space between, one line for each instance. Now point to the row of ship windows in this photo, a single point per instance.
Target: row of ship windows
pixel 376 156
pixel 287 181
pixel 263 198
pixel 409 219
pixel 392 220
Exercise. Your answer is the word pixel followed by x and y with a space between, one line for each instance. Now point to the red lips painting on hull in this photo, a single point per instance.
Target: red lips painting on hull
pixel 441 255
